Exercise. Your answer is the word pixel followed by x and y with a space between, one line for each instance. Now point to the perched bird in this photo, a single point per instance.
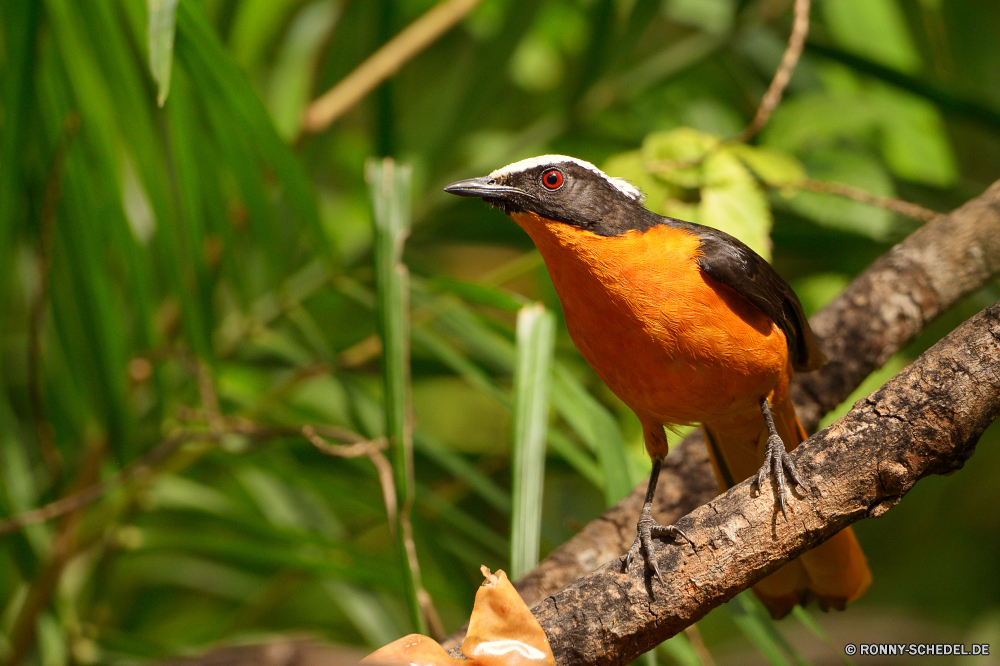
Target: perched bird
pixel 686 324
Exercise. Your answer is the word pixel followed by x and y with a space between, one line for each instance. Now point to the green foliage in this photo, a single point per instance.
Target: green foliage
pixel 187 279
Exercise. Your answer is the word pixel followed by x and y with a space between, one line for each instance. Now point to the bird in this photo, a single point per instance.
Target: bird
pixel 686 324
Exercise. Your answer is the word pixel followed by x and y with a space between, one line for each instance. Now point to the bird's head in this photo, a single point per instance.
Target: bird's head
pixel 565 189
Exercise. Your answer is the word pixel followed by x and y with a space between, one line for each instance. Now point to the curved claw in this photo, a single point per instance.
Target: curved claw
pixel 776 461
pixel 647 529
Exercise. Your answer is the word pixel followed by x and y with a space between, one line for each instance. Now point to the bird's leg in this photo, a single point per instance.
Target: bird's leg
pixel 648 528
pixel 776 461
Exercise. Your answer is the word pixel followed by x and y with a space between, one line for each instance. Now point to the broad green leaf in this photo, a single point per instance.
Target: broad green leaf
pixel 536 64
pixel 812 120
pixel 849 167
pixel 532 383
pixel 874 29
pixel 631 167
pixel 160 35
pixel 677 155
pixel 913 137
pixel 670 164
pixel 733 202
pixel 713 16
pixel 772 167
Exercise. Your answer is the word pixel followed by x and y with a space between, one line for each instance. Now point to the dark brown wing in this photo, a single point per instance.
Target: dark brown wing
pixel 731 262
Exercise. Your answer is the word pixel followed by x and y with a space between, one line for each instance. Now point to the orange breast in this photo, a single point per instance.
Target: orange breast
pixel 675 345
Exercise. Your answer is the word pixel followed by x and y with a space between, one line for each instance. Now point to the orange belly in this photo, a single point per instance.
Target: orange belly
pixel 675 345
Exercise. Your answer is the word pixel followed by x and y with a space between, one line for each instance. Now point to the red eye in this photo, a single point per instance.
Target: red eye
pixel 552 179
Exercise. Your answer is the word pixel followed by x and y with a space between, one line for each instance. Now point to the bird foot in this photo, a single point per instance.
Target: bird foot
pixel 776 462
pixel 648 529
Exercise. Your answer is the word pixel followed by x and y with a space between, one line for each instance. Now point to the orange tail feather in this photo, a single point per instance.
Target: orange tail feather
pixel 836 571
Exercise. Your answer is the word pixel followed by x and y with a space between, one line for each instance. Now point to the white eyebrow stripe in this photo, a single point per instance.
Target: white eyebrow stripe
pixel 622 185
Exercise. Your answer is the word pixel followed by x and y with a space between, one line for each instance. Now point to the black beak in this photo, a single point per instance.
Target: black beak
pixel 483 188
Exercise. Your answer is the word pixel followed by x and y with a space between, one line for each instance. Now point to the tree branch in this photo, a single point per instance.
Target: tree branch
pixel 880 312
pixel 789 59
pixel 927 420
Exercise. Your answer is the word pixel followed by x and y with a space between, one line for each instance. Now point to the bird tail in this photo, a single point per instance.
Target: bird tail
pixel 836 571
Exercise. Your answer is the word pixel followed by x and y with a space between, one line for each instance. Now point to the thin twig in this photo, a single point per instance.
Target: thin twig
pixel 796 40
pixel 371 448
pixel 384 63
pixel 159 453
pixel 906 208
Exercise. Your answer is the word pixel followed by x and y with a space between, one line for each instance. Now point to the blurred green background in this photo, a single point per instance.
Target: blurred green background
pixel 194 282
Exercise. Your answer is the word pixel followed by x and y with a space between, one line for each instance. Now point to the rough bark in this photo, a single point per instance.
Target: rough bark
pixel 926 420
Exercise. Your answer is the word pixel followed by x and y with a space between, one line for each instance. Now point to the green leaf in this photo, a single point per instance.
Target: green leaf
pixel 632 167
pixel 681 152
pixel 479 294
pixel 715 17
pixel 850 167
pixel 874 29
pixel 753 621
pixel 460 468
pixel 913 138
pixel 597 427
pixel 733 202
pixel 389 186
pixel 291 82
pixel 671 164
pixel 532 381
pixel 219 80
pixel 20 30
pixel 772 167
pixel 812 120
pixel 160 34
pixel 680 651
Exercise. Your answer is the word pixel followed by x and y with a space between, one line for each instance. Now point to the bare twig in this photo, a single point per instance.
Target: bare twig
pixel 384 63
pixel 142 466
pixel 916 211
pixel 64 546
pixel 371 448
pixel 796 40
